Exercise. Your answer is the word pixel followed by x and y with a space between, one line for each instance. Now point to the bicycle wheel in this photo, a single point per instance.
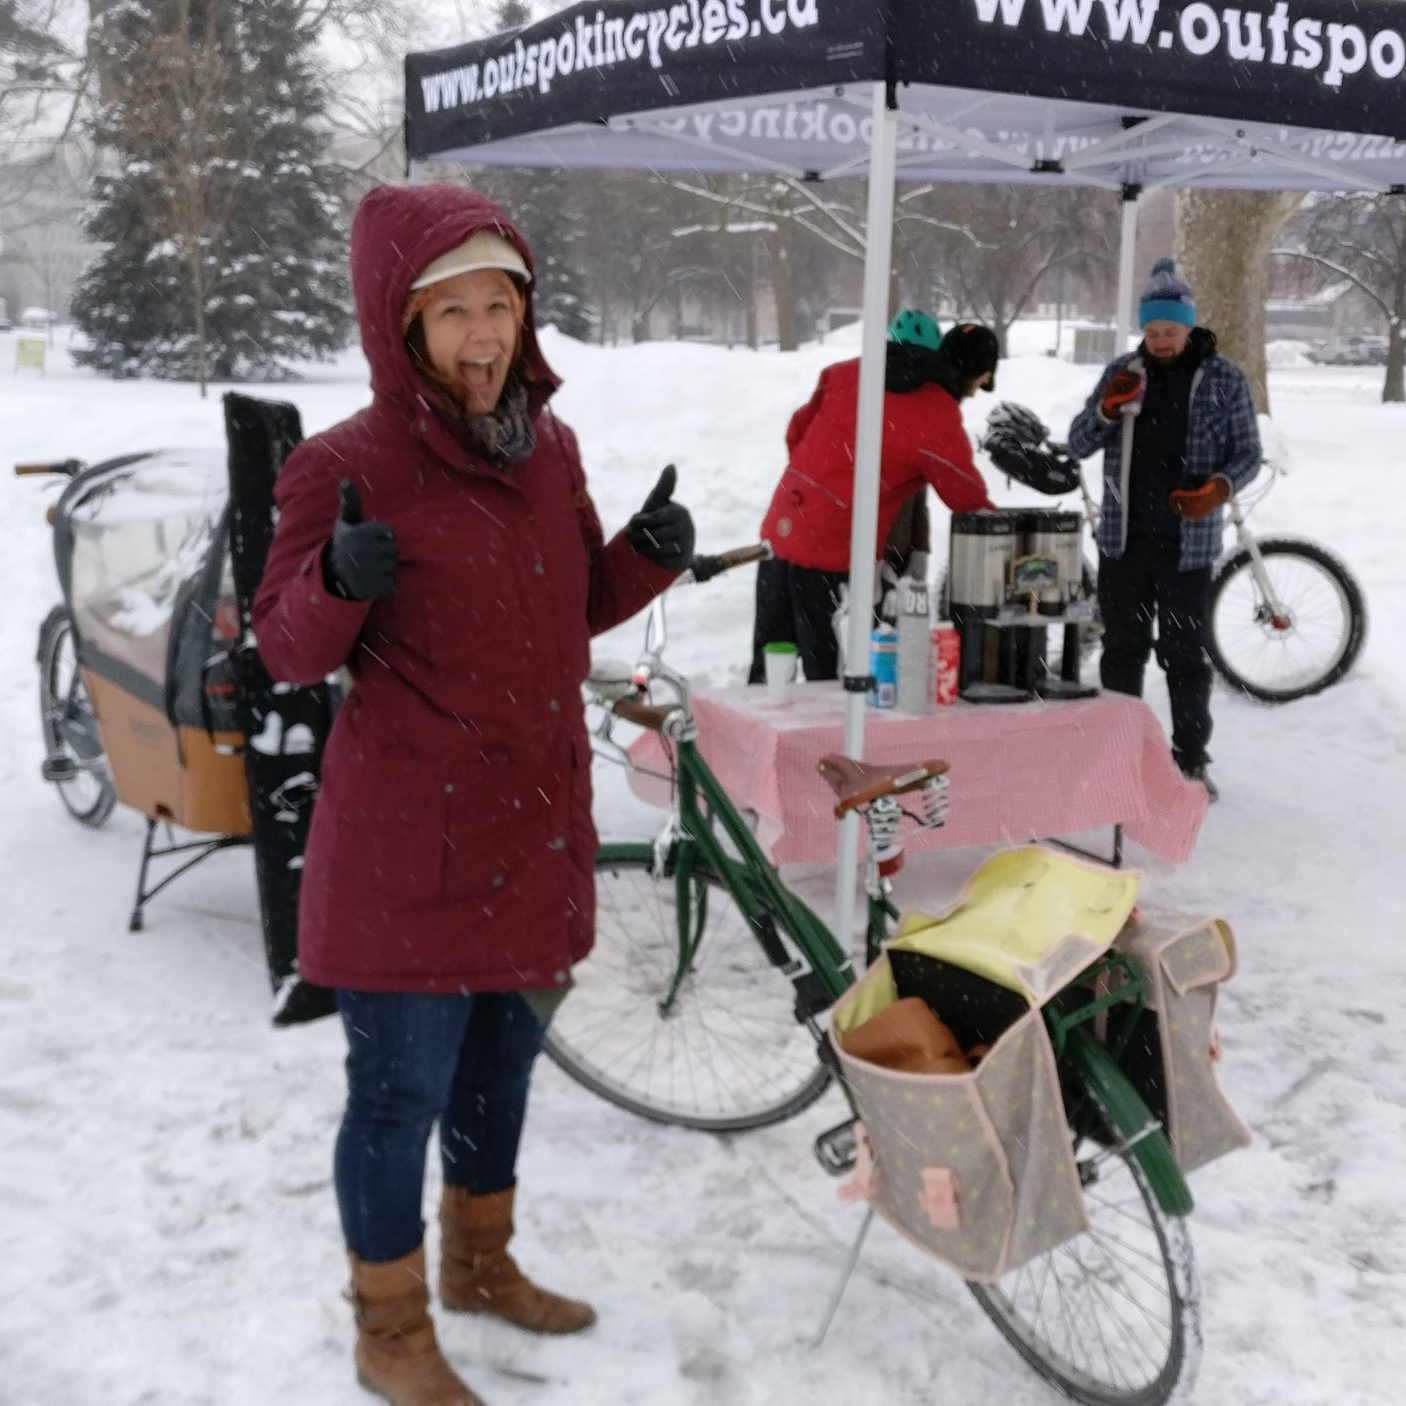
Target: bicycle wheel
pixel 1111 1317
pixel 728 1055
pixel 1310 641
pixel 69 725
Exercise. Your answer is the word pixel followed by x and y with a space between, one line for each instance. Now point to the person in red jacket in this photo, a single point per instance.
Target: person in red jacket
pixel 924 445
pixel 442 545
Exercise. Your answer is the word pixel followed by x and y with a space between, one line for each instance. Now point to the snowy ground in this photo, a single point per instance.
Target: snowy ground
pixel 165 1208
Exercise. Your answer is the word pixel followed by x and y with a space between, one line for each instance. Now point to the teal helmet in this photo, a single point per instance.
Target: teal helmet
pixel 916 328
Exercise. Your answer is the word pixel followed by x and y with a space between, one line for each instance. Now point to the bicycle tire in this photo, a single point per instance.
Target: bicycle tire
pixel 89 796
pixel 1280 661
pixel 730 1055
pixel 1134 1262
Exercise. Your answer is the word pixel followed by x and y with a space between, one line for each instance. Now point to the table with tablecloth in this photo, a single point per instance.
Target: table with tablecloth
pixel 1018 772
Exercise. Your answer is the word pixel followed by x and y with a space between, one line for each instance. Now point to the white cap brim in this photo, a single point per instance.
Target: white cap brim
pixel 484 250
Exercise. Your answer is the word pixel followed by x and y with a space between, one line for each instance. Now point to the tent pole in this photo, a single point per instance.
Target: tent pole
pixel 864 520
pixel 1127 250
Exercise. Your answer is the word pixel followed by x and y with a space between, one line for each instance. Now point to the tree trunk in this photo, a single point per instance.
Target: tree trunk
pixel 783 288
pixel 1394 386
pixel 749 304
pixel 1223 242
pixel 198 309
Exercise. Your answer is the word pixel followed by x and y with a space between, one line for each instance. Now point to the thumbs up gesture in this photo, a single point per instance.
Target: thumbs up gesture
pixel 361 557
pixel 662 530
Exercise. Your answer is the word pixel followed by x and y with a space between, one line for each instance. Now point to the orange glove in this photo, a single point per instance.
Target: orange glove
pixel 1200 502
pixel 1124 388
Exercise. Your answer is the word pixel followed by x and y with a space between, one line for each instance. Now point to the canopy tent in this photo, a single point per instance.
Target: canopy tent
pixel 1123 94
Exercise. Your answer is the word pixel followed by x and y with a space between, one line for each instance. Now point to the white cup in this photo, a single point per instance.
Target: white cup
pixel 780 661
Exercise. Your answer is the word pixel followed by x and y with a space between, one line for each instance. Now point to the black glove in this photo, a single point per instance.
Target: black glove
pixel 360 560
pixel 662 531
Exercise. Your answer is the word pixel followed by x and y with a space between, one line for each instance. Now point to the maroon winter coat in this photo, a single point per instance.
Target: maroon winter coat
pixel 451 845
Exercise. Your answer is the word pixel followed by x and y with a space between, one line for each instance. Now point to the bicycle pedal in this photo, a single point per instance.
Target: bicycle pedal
pixel 58 768
pixel 837 1149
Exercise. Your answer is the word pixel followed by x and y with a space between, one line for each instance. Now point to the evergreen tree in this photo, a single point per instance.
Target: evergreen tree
pixel 218 217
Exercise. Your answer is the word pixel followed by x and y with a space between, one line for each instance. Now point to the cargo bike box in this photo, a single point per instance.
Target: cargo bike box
pixel 152 692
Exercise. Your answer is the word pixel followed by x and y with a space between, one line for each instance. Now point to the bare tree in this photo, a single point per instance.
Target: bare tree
pixel 988 248
pixel 1361 239
pixel 37 63
pixel 794 228
pixel 634 258
pixel 1223 243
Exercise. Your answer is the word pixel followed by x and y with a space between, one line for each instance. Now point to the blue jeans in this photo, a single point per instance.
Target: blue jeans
pixel 464 1060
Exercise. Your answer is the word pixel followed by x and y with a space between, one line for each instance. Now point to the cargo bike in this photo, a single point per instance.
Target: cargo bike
pixel 1049 1173
pixel 151 694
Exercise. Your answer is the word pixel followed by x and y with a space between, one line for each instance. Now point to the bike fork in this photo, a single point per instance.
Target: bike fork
pixel 1277 613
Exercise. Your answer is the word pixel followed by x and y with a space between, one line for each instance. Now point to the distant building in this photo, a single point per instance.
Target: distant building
pixel 1336 310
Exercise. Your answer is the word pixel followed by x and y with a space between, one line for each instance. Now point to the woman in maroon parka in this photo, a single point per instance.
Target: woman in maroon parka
pixel 443 546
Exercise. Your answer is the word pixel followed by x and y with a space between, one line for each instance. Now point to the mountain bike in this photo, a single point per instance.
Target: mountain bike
pixel 1287 617
pixel 703 1006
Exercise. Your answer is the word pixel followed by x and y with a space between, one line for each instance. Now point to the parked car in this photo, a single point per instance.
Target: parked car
pixel 1359 349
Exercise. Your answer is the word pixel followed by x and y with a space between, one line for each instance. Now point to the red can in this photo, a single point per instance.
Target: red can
pixel 946 658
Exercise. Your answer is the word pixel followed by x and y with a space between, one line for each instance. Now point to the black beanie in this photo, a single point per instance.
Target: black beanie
pixel 972 350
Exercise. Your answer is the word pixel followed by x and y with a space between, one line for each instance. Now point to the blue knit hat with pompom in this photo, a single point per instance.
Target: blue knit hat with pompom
pixel 1165 297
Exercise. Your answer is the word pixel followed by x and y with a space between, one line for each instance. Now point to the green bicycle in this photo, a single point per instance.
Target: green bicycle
pixel 703 1005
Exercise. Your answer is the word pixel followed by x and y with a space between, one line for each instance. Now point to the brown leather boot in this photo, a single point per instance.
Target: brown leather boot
pixel 478 1275
pixel 396 1353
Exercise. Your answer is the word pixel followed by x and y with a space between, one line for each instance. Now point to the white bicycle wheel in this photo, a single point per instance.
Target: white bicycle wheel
pixel 1300 642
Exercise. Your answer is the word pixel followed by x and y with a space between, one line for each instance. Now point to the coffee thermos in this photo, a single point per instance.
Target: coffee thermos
pixel 983 550
pixel 1008 569
pixel 1055 537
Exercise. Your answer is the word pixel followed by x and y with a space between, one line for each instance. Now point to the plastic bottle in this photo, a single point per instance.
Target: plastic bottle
pixel 883 665
pixel 914 646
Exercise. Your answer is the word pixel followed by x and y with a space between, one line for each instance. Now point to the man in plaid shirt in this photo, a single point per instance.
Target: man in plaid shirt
pixel 1177 428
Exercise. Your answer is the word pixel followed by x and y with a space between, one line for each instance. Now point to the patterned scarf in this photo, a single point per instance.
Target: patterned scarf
pixel 505 435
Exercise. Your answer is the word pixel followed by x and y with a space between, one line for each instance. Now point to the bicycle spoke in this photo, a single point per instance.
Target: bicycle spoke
pixel 726 1051
pixel 1106 1315
pixel 1305 637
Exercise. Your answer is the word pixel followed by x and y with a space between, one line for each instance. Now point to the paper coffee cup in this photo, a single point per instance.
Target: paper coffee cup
pixel 780 660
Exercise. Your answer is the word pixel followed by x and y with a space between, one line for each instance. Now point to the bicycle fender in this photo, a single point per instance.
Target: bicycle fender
pixel 1133 1121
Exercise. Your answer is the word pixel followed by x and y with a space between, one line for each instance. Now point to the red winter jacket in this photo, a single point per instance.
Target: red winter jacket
pixel 808 522
pixel 451 845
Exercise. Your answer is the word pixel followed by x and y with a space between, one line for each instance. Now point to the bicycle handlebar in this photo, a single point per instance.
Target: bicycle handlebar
pixel 67 467
pixel 704 567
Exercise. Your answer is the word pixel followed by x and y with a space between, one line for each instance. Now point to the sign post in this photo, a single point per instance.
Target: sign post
pixel 29 354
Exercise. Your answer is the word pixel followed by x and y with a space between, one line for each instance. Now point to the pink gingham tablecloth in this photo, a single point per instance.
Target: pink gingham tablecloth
pixel 1017 771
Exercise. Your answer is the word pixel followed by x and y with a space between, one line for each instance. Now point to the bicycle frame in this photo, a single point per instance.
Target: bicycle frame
pixel 820 971
pixel 690 841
